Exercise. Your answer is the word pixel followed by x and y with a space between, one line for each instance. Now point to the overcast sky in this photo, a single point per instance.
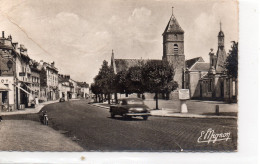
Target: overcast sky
pixel 79 34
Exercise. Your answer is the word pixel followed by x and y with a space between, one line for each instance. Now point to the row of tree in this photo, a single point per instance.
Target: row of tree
pixel 152 76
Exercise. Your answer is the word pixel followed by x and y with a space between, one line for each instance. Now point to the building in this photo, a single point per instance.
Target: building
pixel 173 52
pixel 65 87
pixel 15 74
pixel 49 81
pixel 24 80
pixel 173 49
pixel 83 90
pixel 74 86
pixel 35 79
pixel 196 68
pixel 209 80
pixel 8 80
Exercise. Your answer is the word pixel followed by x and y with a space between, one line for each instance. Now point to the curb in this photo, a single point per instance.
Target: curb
pixel 179 115
pixel 194 116
pixel 100 106
pixel 28 110
pixel 33 110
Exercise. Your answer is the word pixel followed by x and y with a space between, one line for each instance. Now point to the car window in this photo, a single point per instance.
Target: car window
pixel 135 102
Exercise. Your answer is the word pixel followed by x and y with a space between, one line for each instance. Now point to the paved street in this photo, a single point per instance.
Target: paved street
pixel 93 129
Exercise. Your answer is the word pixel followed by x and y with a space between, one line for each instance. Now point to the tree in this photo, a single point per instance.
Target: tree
pixel 232 60
pixel 96 90
pixel 105 80
pixel 120 82
pixel 157 77
pixel 134 81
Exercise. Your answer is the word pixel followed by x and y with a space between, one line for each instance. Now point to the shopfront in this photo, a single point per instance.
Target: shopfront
pixel 7 93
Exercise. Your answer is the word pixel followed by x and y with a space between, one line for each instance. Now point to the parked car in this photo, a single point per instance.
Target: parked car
pixel 62 99
pixel 130 107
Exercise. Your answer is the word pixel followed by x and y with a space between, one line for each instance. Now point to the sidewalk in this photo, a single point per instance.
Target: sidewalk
pixel 32 110
pixel 25 135
pixel 196 109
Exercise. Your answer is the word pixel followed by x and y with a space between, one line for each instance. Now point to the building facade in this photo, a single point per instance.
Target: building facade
pixel 65 87
pixel 8 90
pixel 49 81
pixel 83 90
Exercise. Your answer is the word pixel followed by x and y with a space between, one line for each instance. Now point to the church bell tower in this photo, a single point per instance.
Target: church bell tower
pixel 221 53
pixel 173 48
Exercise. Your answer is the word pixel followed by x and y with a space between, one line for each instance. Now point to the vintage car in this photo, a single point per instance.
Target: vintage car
pixel 130 107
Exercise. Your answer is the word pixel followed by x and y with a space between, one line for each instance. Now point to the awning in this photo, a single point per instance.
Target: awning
pixel 29 87
pixel 4 88
pixel 22 89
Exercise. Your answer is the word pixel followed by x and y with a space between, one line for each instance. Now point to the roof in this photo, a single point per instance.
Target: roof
pixel 200 67
pixel 221 58
pixel 125 64
pixel 83 84
pixel 189 63
pixel 173 26
pixel 62 79
pixel 6 43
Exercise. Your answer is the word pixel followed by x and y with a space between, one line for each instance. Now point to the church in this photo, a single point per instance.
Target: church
pixel 204 80
pixel 173 52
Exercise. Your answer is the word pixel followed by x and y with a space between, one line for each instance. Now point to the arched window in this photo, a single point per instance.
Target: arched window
pixel 175 49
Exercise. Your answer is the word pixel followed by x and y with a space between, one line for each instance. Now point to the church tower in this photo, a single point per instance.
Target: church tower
pixel 221 53
pixel 173 48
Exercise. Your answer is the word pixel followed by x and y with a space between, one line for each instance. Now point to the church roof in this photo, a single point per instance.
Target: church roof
pixel 125 64
pixel 173 26
pixel 221 58
pixel 200 67
pixel 191 62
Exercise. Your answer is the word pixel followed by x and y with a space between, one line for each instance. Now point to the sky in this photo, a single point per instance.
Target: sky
pixel 79 34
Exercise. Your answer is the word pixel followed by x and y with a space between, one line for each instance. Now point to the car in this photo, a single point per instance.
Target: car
pixel 62 99
pixel 130 107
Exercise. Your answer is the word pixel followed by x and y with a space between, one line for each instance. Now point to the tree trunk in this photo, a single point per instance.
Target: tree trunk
pixel 109 98
pixel 116 98
pixel 156 100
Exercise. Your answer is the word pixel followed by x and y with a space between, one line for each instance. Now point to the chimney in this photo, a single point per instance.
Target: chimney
pixel 53 64
pixel 10 37
pixel 3 34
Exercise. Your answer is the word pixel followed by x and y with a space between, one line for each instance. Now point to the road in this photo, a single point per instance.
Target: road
pixel 93 129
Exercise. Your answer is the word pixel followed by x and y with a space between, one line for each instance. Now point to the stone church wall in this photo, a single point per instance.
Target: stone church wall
pixel 178 62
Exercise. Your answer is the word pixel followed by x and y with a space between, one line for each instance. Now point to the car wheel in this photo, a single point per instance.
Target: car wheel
pixel 112 115
pixel 145 117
